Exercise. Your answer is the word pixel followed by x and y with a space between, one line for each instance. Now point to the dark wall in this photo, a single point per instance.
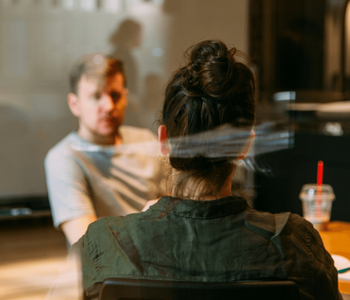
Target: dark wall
pixel 299 44
pixel 287 43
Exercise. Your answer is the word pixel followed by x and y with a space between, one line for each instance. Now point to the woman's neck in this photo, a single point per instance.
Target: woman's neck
pixel 198 191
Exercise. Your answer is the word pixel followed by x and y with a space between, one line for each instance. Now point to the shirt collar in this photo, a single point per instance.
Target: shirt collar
pixel 200 209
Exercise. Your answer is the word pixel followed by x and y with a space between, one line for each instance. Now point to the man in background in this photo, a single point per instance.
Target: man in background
pixel 92 172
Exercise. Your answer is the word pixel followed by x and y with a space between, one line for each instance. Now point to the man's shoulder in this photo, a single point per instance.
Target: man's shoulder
pixel 62 148
pixel 132 134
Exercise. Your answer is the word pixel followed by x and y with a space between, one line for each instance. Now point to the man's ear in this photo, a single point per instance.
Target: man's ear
pixel 72 100
pixel 163 140
pixel 247 146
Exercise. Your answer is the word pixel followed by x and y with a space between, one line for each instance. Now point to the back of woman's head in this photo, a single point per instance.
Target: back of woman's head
pixel 212 90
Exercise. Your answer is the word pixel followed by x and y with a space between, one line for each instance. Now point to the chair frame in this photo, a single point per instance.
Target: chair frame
pixel 119 288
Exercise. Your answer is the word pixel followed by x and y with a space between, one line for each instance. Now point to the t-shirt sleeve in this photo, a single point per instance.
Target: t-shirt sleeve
pixel 325 273
pixel 68 188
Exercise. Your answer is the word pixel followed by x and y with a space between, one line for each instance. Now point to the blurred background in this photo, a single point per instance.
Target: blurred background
pixel 300 51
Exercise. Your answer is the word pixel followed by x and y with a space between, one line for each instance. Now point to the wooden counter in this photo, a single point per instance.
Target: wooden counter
pixel 337 241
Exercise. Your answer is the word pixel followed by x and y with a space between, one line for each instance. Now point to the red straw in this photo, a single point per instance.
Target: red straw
pixel 319 187
pixel 320 173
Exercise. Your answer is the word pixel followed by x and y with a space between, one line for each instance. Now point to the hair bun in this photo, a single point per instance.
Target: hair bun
pixel 210 69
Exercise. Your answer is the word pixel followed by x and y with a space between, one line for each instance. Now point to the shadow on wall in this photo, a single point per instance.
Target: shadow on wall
pixel 25 142
pixel 14 123
pixel 127 36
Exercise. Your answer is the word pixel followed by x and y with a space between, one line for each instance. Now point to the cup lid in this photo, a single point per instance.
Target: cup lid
pixel 309 192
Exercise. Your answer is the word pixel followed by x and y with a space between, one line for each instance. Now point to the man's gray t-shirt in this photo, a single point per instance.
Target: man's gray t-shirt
pixel 86 179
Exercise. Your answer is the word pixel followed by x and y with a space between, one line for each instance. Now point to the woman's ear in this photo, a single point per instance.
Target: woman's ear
pixel 163 140
pixel 248 144
pixel 72 100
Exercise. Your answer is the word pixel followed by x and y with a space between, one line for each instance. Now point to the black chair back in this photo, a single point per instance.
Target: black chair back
pixel 132 289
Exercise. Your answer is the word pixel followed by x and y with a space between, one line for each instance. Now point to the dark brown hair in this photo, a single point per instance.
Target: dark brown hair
pixel 213 89
pixel 96 65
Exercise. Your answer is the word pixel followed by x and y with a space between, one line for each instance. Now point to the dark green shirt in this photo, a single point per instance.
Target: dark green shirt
pixel 208 241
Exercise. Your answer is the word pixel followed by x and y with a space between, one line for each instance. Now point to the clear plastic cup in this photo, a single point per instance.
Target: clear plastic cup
pixel 317 205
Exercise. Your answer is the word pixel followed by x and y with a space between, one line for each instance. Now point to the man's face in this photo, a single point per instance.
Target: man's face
pixel 99 107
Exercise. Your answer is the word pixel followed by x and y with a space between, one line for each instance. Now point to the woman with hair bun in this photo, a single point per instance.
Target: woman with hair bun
pixel 201 232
